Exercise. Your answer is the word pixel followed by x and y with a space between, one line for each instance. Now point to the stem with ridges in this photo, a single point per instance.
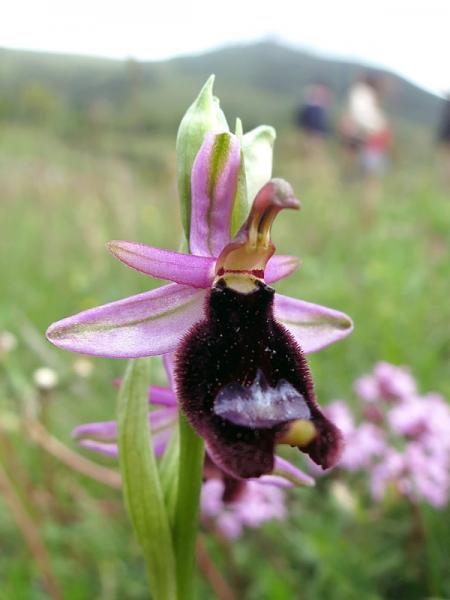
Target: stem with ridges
pixel 188 499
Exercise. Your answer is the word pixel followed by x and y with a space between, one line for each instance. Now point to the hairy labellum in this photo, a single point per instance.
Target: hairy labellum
pixel 243 382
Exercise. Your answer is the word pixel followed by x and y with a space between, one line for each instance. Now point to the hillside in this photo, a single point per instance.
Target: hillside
pixel 261 83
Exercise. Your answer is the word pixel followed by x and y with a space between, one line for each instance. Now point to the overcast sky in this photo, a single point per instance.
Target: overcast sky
pixel 409 37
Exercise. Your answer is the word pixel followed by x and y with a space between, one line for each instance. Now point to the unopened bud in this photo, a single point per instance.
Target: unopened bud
pixel 202 116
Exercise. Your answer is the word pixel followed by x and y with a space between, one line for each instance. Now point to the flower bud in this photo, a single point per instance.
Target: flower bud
pixel 202 116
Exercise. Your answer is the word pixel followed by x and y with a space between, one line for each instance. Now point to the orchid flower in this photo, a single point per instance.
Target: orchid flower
pixel 241 377
pixel 243 381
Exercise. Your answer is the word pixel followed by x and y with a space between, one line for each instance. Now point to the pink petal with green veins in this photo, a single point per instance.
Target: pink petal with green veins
pixel 214 181
pixel 187 269
pixel 313 326
pixel 144 325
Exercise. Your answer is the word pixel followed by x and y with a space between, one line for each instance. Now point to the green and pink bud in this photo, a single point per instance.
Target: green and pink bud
pixel 202 116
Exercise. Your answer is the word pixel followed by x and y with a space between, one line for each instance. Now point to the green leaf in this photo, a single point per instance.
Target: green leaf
pixel 141 483
pixel 168 469
pixel 202 116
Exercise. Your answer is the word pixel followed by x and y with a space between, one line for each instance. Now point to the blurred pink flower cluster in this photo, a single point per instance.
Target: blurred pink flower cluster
pixel 402 440
pixel 255 504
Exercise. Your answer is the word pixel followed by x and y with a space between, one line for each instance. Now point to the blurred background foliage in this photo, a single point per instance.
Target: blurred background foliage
pixel 87 153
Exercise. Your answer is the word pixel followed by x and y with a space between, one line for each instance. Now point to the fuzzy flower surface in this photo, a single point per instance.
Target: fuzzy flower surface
pixel 402 440
pixel 242 378
pixel 228 504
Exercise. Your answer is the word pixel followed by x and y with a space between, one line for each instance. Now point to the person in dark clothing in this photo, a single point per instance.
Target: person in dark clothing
pixel 444 143
pixel 444 129
pixel 312 115
pixel 312 121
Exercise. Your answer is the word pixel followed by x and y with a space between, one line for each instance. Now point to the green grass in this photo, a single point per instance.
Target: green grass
pixel 387 267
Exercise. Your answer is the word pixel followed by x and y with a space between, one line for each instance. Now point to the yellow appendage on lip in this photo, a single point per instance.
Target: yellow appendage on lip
pixel 298 433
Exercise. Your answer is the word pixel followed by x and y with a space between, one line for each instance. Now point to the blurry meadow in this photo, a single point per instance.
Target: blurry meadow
pixel 379 255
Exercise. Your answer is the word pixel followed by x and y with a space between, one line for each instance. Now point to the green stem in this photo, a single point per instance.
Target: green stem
pixel 186 515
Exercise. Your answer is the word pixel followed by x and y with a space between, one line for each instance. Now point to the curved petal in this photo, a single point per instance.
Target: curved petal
pixel 102 431
pixel 188 269
pixel 162 396
pixel 214 181
pixel 106 431
pixel 279 267
pixel 274 480
pixel 291 473
pixel 144 325
pixel 160 442
pixel 196 271
pixel 286 475
pixel 313 326
pixel 110 450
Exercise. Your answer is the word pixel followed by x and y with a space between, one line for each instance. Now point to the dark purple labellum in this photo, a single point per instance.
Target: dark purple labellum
pixel 242 379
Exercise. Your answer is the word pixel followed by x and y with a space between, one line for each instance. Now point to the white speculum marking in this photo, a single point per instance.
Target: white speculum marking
pixel 260 406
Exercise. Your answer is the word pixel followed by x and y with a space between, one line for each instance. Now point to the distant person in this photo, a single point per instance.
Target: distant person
pixel 312 117
pixel 364 129
pixel 444 130
pixel 444 140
